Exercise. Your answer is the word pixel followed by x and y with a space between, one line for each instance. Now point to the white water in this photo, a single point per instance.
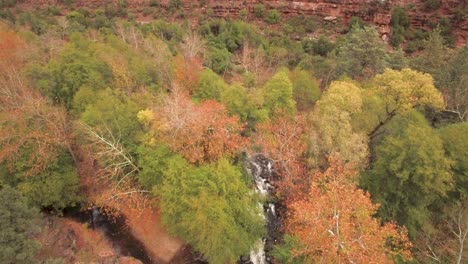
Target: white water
pixel 257 255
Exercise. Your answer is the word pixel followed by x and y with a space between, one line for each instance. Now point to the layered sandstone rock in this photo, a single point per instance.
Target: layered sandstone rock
pixel 377 12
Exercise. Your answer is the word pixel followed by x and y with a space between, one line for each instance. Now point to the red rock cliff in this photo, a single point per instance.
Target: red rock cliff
pixel 377 12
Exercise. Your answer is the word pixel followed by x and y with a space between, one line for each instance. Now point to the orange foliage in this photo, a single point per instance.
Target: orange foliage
pixel 201 133
pixel 187 71
pixel 282 140
pixel 334 224
pixel 28 123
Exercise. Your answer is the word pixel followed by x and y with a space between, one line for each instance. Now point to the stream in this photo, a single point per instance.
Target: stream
pixel 261 170
pixel 114 228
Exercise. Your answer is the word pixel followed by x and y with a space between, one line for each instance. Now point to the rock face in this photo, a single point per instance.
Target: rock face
pixel 377 12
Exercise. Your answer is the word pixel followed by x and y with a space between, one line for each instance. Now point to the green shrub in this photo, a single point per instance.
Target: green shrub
pixel 356 22
pixel 7 3
pixel 243 14
pixel 175 5
pixel 431 5
pixel 259 11
pixel 273 16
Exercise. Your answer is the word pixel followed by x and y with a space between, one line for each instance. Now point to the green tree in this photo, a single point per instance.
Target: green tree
pixel 56 187
pixel 153 162
pixel 455 140
pixel 410 172
pixel 247 106
pixel 278 94
pixel 434 58
pixel 362 55
pixel 219 60
pixel 210 86
pixel 306 89
pixel 77 66
pixel 17 222
pixel 114 112
pixel 211 208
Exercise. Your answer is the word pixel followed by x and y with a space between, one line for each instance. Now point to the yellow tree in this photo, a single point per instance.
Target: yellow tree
pixel 400 91
pixel 332 133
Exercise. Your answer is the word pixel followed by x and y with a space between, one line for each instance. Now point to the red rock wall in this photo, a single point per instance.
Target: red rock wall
pixel 377 12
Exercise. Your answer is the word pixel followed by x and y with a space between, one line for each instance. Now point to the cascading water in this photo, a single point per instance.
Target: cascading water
pixel 260 168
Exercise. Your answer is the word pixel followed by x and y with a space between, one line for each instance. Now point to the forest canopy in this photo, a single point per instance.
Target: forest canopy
pixel 364 141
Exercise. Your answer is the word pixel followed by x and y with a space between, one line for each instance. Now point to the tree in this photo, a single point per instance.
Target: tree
pixel 200 133
pixel 187 71
pixel 76 66
pixel 332 133
pixel 29 125
pixel 282 140
pixel 306 89
pixel 400 91
pixel 363 53
pixel 55 188
pixel 17 221
pixel 210 86
pixel 335 223
pixel 455 140
pixel 278 95
pixel 114 112
pixel 410 172
pixel 248 106
pixel 211 208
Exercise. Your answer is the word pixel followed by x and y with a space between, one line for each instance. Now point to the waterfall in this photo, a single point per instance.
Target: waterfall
pixel 260 168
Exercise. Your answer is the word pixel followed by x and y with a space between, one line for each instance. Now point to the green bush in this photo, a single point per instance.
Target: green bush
pixel 273 16
pixel 259 11
pixel 243 14
pixel 175 5
pixel 7 3
pixel 431 5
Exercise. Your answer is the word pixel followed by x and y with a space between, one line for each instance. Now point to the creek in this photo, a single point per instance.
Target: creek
pixel 114 228
pixel 261 170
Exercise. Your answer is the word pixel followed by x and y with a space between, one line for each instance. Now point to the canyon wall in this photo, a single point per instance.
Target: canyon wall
pixel 377 12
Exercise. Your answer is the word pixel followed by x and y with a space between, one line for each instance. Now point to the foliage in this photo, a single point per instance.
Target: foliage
pixel 17 222
pixel 362 55
pixel 283 253
pixel 211 208
pixel 210 86
pixel 219 60
pixel 400 91
pixel 332 133
pixel 455 140
pixel 55 188
pixel 273 17
pixel 278 95
pixel 153 162
pixel 112 111
pixel 447 70
pixel 175 5
pixel 77 66
pixel 259 11
pixel 355 22
pixel 432 5
pixel 321 46
pixel 306 89
pixel 410 172
pixel 335 223
pixel 282 140
pixel 201 133
pixel 240 103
